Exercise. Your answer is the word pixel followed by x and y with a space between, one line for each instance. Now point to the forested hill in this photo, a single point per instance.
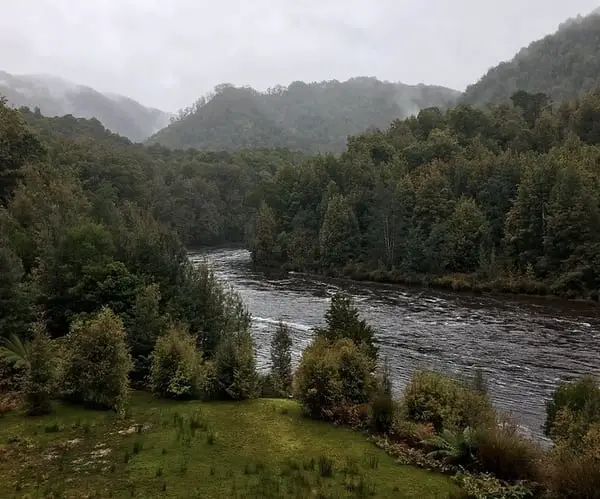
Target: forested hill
pixel 562 65
pixel 314 117
pixel 56 96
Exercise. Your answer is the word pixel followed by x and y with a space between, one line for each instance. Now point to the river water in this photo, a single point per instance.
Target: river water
pixel 524 347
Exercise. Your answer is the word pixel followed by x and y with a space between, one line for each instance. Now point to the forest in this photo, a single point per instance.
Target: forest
pixel 505 198
pixel 307 117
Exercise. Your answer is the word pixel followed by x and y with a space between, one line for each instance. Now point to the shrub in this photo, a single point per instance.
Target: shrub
pixel 409 432
pixel 381 413
pixel 235 366
pixel 572 409
pixel 40 373
pixel 503 451
pixel 174 372
pixel 489 487
pixel 445 403
pixel 281 361
pixel 576 474
pixel 333 375
pixel 453 447
pixel 98 362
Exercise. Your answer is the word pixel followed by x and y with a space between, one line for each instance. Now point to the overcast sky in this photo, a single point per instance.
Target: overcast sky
pixel 166 53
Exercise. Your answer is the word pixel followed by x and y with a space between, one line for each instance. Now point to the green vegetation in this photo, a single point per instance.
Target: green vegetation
pixel 563 65
pixel 208 450
pixel 307 117
pixel 503 199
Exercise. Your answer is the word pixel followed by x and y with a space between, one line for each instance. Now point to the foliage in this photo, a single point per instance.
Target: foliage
pixel 235 366
pixel 309 117
pixel 343 321
pixel 502 450
pixel 332 375
pixel 40 377
pixel 486 486
pixel 98 362
pixel 559 65
pixel 455 447
pixel 15 352
pixel 573 408
pixel 445 403
pixel 175 365
pixel 281 360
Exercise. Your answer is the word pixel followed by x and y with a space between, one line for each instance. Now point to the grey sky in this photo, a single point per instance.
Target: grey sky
pixel 166 53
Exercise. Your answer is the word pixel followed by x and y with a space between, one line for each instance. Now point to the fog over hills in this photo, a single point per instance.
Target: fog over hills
pixel 55 96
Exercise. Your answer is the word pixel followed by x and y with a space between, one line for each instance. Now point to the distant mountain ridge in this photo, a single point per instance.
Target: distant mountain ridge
pixel 307 117
pixel 56 96
pixel 563 65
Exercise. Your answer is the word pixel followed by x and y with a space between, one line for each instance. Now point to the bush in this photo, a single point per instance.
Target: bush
pixel 572 409
pixel 503 451
pixel 445 403
pixel 40 373
pixel 98 362
pixel 409 432
pixel 235 366
pixel 576 474
pixel 333 375
pixel 174 371
pixel 489 487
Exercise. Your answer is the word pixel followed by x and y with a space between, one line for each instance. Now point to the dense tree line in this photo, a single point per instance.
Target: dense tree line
pixel 92 251
pixel 307 117
pixel 563 65
pixel 506 197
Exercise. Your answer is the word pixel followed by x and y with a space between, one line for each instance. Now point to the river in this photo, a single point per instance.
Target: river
pixel 524 347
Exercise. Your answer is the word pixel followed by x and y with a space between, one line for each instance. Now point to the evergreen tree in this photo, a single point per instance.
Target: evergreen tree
pixel 281 359
pixel 40 374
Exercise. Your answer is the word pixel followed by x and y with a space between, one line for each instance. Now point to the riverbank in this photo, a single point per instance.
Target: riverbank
pixel 260 448
pixel 459 283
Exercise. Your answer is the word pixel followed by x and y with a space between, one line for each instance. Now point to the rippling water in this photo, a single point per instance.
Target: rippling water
pixel 523 347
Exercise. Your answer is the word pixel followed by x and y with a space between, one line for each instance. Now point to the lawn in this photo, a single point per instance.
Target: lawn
pixel 257 449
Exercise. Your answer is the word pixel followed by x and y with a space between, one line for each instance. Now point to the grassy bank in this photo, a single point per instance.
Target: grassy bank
pixel 262 448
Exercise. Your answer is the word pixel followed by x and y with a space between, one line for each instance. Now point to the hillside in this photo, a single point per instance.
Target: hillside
pixel 58 97
pixel 315 117
pixel 562 65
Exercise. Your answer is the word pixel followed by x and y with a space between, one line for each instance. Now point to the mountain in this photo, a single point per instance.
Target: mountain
pixel 563 65
pixel 57 97
pixel 307 117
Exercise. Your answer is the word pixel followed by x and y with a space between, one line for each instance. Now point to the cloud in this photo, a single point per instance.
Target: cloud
pixel 167 54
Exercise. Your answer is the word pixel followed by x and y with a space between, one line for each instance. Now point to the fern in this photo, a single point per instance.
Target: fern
pixel 15 352
pixel 452 446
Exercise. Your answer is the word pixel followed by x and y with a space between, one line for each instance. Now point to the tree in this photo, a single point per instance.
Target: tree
pixel 145 324
pixel 281 359
pixel 468 232
pixel 235 366
pixel 338 238
pixel 40 374
pixel 18 145
pixel 174 371
pixel 263 245
pixel 98 362
pixel 343 321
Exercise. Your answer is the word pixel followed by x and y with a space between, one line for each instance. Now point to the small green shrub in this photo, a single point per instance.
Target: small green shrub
pixel 503 451
pixel 53 428
pixel 442 401
pixel 175 368
pixel 382 413
pixel 281 361
pixel 98 362
pixel 453 446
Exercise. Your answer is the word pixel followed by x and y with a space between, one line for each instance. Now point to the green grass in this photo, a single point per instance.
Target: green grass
pixel 262 448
